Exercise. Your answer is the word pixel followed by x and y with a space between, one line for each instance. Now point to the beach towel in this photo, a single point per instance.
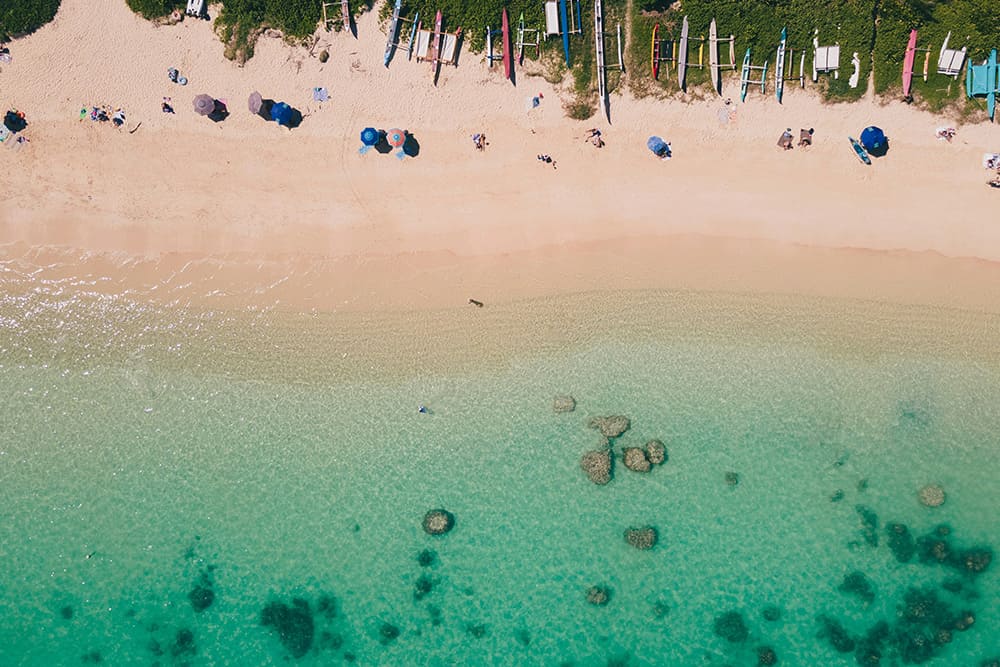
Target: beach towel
pixel 991 160
pixel 320 94
pixel 4 133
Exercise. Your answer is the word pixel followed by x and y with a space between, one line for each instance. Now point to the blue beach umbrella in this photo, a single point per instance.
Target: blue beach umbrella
pixel 369 137
pixel 874 141
pixel 281 113
pixel 659 147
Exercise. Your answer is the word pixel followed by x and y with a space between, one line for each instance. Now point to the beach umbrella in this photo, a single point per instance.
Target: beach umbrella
pixel 281 113
pixel 369 137
pixel 659 147
pixel 395 137
pixel 204 104
pixel 255 102
pixel 874 140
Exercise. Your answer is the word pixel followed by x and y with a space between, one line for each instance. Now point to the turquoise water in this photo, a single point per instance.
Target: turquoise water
pixel 146 452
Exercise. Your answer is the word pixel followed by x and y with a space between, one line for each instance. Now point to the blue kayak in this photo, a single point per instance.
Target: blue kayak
pixel 860 150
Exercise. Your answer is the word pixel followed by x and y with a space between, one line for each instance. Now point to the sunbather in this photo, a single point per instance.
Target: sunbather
pixel 167 108
pixel 785 140
pixel 805 137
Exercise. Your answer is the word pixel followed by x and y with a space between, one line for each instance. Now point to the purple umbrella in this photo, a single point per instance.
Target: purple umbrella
pixel 395 137
pixel 204 104
pixel 255 102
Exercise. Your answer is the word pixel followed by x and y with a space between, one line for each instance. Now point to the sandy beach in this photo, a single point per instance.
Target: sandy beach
pixel 245 210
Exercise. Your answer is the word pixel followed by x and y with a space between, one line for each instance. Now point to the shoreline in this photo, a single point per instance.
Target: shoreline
pixel 299 221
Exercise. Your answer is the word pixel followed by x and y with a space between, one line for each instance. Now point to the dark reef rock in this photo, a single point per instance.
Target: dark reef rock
pixel 183 644
pixel 478 630
pixel 326 606
pixel 427 558
pixel 856 583
pixel 388 633
pixel 835 633
pixel 869 648
pixel 293 623
pixel 438 522
pixel 837 496
pixel 975 561
pixel 66 612
pixel 423 587
pixel 92 657
pixel 766 656
pixel 771 613
pixel 731 627
pixel 635 459
pixel 610 427
pixel 901 542
pixel 522 636
pixel 656 452
pixel 598 595
pixel 597 465
pixel 201 596
pixel 869 524
pixel 732 479
pixel 642 538
pixel 660 609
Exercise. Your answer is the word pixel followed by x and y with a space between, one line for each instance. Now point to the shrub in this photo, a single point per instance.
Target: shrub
pixel 154 9
pixel 25 16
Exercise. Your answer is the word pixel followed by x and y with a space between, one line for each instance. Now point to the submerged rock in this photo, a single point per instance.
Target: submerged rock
pixel 598 595
pixel 422 588
pixel 597 465
pixel 66 612
pixel 427 558
pixel 656 452
pixel 201 597
pixel 730 626
pixel 438 522
pixel 732 479
pixel 932 495
pixel 856 583
pixel 975 561
pixel 183 644
pixel 563 404
pixel 869 524
pixel 642 538
pixel 766 656
pixel 901 542
pixel 477 630
pixel 293 623
pixel 869 647
pixel 835 633
pixel 771 613
pixel 635 459
pixel 388 633
pixel 610 427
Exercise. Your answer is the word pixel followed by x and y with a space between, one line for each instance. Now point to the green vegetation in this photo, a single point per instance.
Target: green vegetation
pixel 20 17
pixel 876 29
pixel 154 9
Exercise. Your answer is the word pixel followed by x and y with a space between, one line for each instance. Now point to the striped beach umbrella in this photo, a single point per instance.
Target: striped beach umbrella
pixel 395 137
pixel 204 104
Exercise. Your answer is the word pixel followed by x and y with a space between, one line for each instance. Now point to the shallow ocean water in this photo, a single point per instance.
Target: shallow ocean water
pixel 144 455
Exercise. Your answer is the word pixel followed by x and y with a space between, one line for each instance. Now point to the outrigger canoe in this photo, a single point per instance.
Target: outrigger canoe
pixel 656 51
pixel 390 42
pixel 911 52
pixel 508 60
pixel 779 70
pixel 564 17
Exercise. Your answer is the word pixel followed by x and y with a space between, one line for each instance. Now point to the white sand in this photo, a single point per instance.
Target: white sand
pixel 300 218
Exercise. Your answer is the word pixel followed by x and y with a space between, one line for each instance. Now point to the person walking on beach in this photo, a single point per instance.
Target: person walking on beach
pixel 547 159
